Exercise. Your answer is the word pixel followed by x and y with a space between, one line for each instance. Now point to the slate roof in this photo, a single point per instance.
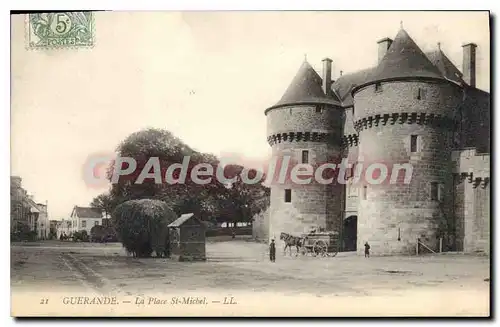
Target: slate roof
pixel 404 59
pixel 86 212
pixel 183 218
pixel 306 88
pixel 445 66
pixel 345 83
pixel 434 64
pixel 32 204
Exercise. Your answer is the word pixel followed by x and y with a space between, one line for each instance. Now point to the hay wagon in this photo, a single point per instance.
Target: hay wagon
pixel 324 244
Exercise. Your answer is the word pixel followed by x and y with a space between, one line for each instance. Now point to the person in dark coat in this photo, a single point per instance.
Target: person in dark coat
pixel 272 251
pixel 367 250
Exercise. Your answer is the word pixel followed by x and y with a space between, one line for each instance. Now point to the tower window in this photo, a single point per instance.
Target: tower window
pixel 288 195
pixel 414 143
pixel 365 192
pixel 305 156
pixel 319 109
pixel 434 191
pixel 378 87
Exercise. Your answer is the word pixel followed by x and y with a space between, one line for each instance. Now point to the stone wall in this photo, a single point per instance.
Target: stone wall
pixel 312 205
pixel 304 118
pixel 396 97
pixel 393 216
pixel 291 130
pixel 260 226
pixel 472 200
pixel 475 126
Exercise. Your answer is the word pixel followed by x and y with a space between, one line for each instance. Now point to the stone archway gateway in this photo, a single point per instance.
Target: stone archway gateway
pixel 350 233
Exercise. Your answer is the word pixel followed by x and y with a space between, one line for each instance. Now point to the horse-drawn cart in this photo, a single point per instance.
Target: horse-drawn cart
pixel 325 244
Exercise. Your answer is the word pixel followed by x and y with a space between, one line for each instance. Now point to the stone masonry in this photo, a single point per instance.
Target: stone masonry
pixel 411 108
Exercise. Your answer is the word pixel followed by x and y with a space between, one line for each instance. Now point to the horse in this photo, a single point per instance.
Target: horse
pixel 290 241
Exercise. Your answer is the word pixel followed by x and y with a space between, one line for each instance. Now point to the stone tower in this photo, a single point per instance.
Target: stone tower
pixel 305 125
pixel 405 113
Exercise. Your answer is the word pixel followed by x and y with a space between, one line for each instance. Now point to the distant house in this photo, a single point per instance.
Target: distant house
pixel 84 218
pixel 23 209
pixel 64 227
pixel 43 224
pixel 187 238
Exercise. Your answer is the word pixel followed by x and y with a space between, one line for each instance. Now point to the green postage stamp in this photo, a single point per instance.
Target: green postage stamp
pixel 60 30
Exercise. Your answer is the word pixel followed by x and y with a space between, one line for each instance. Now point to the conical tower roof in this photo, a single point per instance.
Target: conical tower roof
pixel 306 88
pixel 404 60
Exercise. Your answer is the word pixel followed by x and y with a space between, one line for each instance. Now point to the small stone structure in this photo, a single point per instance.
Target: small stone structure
pixel 187 238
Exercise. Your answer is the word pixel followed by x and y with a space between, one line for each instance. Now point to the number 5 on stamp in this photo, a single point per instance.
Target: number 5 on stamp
pixel 60 30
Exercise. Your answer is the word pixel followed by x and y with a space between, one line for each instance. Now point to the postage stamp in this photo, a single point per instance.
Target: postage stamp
pixel 60 30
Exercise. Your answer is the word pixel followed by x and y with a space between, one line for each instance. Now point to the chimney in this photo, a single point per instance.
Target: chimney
pixel 383 46
pixel 469 64
pixel 327 75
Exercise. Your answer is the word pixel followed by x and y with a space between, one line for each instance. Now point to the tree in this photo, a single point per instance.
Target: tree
pixel 240 202
pixel 103 202
pixel 214 201
pixel 141 226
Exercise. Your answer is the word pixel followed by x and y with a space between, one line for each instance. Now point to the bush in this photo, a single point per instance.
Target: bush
pixel 81 236
pixel 102 234
pixel 22 232
pixel 141 226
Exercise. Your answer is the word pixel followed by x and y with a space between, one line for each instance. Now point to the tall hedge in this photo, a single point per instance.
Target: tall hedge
pixel 141 226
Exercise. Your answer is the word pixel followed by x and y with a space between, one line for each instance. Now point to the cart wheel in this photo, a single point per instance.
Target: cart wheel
pixel 334 252
pixel 320 248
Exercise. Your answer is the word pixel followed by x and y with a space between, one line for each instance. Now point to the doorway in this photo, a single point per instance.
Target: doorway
pixel 350 233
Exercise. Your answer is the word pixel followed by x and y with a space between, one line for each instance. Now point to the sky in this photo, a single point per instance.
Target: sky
pixel 205 76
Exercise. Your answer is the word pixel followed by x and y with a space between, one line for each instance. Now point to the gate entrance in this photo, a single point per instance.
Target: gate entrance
pixel 350 233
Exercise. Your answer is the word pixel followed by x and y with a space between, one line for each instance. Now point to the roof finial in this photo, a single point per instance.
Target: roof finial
pixel 341 73
pixel 305 57
pixel 401 24
pixel 439 45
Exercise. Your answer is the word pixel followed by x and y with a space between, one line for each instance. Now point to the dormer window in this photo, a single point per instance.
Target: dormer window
pixel 319 109
pixel 378 87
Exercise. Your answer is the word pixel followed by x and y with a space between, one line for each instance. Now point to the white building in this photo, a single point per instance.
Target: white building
pixel 43 224
pixel 64 227
pixel 84 218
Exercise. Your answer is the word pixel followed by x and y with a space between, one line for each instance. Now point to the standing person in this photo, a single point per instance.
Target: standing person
pixel 272 251
pixel 367 250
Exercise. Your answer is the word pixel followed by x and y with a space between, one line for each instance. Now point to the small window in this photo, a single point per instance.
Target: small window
pixel 288 195
pixel 365 192
pixel 96 223
pixel 291 111
pixel 414 143
pixel 84 223
pixel 305 156
pixel 378 87
pixel 420 93
pixel 434 191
